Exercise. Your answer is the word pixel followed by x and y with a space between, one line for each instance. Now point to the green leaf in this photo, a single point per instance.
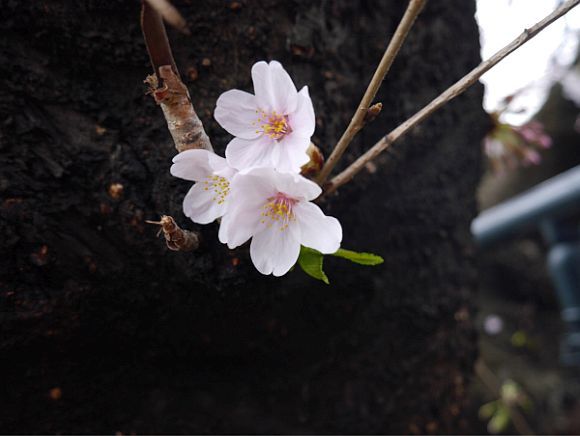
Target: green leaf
pixel 500 420
pixel 368 259
pixel 488 409
pixel 310 261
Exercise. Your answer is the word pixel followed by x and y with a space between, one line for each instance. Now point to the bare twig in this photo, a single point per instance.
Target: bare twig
pixel 457 89
pixel 358 120
pixel 492 383
pixel 156 38
pixel 170 14
pixel 176 238
pixel 172 94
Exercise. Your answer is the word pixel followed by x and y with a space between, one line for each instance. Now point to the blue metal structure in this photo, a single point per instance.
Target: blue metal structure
pixel 553 208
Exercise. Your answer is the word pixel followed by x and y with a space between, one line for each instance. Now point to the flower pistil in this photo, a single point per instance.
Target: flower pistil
pixel 274 125
pixel 278 210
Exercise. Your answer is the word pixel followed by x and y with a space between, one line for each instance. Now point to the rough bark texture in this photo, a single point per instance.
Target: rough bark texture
pixel 140 339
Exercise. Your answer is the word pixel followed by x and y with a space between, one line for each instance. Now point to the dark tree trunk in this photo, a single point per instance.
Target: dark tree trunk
pixel 140 339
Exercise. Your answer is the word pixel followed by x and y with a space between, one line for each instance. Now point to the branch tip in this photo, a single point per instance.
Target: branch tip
pixel 170 14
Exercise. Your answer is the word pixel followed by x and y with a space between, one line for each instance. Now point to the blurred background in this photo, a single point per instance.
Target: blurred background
pixel 527 376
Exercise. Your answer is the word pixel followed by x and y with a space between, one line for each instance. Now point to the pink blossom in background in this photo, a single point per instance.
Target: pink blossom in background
pixel 508 146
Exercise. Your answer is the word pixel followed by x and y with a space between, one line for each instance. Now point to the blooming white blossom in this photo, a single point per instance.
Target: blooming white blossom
pixel 208 198
pixel 274 209
pixel 273 127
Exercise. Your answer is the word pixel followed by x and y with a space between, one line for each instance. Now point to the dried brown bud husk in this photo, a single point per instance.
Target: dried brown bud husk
pixel 176 238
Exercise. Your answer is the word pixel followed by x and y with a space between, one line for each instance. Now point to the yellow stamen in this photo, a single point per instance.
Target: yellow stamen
pixel 220 187
pixel 278 210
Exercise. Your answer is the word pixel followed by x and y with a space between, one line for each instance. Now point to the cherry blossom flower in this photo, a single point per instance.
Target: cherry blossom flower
pixel 274 209
pixel 273 127
pixel 508 146
pixel 208 198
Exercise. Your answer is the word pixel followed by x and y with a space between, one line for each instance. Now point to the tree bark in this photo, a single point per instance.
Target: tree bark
pixel 136 338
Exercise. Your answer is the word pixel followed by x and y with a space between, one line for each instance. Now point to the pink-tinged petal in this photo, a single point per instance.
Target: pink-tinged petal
pixel 252 187
pixel 193 164
pixel 200 206
pixel 238 226
pixel 236 111
pixel 275 251
pixel 274 88
pixel 249 192
pixel 262 84
pixel 290 153
pixel 217 163
pixel 302 121
pixel 285 94
pixel 245 154
pixel 296 186
pixel 318 231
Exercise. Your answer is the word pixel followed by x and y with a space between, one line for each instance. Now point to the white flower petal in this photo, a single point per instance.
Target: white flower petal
pixel 274 251
pixel 236 112
pixel 274 88
pixel 302 121
pixel 290 153
pixel 296 186
pixel 244 154
pixel 318 231
pixel 218 163
pixel 193 164
pixel 249 192
pixel 238 226
pixel 200 206
pixel 253 187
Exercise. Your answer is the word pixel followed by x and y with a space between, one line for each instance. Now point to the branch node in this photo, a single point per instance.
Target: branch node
pixel 165 85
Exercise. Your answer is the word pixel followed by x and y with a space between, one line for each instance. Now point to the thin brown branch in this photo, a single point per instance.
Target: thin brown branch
pixel 171 94
pixel 156 38
pixel 176 238
pixel 358 120
pixel 492 383
pixel 170 15
pixel 457 89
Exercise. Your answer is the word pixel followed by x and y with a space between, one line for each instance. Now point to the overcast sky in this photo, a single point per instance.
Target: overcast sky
pixel 533 66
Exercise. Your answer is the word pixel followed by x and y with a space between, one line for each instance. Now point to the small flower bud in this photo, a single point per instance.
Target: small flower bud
pixel 373 112
pixel 314 165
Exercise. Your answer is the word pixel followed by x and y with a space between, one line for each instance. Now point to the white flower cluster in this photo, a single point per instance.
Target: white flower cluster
pixel 257 189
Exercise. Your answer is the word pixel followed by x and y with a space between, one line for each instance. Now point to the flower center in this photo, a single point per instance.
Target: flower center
pixel 220 187
pixel 278 211
pixel 273 124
